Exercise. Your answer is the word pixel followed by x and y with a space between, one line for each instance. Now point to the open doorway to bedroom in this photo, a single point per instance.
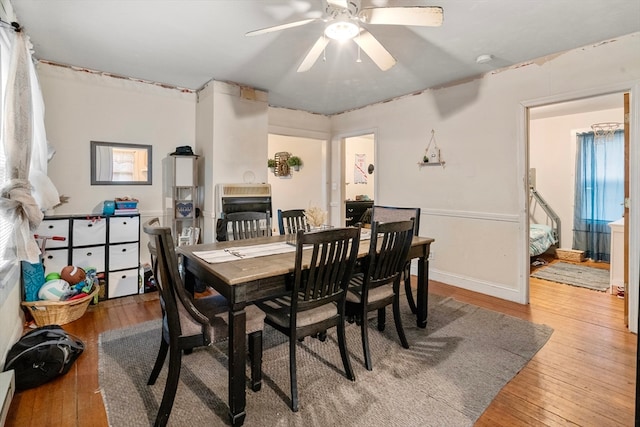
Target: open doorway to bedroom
pixel 575 233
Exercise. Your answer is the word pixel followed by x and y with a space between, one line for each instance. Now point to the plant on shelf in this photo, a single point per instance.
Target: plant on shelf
pixel 295 162
pixel 271 164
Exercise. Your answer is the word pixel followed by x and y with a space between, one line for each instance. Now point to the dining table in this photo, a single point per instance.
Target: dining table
pixel 246 271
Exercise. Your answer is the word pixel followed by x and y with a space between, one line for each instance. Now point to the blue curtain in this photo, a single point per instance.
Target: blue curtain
pixel 599 193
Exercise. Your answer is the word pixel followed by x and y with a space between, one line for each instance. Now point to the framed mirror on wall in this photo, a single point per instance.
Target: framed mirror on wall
pixel 116 163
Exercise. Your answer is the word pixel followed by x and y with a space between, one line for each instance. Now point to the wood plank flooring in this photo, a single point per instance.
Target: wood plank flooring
pixel 584 375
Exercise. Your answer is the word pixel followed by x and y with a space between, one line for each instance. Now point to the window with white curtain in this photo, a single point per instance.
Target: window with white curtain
pixel 5 55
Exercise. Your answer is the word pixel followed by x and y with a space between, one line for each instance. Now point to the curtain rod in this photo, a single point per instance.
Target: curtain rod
pixel 16 26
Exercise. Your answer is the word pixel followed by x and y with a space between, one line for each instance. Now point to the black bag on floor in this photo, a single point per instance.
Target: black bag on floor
pixel 42 355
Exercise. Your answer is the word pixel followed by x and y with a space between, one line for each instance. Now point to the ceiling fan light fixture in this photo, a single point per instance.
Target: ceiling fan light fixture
pixel 341 30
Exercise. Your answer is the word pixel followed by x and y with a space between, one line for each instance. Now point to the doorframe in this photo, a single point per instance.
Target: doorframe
pixel 338 163
pixel 633 88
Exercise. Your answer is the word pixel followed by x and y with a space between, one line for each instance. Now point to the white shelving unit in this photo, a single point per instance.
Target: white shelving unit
pixel 181 210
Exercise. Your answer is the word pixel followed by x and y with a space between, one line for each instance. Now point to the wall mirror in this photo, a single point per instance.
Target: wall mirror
pixel 115 163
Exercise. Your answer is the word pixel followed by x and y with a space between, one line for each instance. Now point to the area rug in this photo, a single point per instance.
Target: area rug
pixel 575 275
pixel 452 372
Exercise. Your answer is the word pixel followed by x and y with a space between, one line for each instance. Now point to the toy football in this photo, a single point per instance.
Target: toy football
pixel 72 274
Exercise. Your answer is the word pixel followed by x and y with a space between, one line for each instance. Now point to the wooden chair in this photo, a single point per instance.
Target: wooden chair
pixel 391 214
pixel 289 222
pixel 379 284
pixel 188 322
pixel 324 264
pixel 249 225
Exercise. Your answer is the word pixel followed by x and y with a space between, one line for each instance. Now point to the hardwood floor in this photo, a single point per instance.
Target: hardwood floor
pixel 584 375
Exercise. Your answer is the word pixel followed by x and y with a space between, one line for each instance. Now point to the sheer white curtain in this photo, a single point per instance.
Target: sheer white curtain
pixel 26 191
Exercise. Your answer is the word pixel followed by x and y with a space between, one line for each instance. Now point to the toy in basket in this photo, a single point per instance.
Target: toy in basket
pixel 63 302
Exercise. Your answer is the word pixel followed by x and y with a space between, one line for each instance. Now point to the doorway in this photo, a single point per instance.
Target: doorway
pixel 358 176
pixel 552 160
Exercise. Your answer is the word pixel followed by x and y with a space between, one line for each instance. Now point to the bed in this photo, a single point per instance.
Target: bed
pixel 541 238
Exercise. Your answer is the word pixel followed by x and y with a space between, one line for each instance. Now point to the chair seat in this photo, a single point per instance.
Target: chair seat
pixel 215 308
pixel 354 292
pixel 279 312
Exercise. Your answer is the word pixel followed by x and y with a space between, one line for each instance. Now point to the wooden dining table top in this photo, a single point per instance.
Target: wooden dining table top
pixel 243 270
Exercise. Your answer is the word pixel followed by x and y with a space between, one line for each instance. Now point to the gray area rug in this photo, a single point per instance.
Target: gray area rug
pixel 575 275
pixel 448 377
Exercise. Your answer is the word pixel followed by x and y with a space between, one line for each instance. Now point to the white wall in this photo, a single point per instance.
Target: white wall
pixel 232 134
pixel 304 188
pixel 552 152
pixel 81 106
pixel 475 206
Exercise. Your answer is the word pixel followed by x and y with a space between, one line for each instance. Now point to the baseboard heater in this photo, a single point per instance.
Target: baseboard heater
pixel 7 388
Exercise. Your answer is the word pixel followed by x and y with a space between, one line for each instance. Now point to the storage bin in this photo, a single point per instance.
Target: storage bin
pixel 126 205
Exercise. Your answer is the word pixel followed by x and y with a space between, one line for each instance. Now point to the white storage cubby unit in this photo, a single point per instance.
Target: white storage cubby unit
pixel 616 267
pixel 181 196
pixel 110 244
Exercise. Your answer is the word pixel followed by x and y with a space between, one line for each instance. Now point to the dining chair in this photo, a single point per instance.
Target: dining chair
pixel 290 221
pixel 249 225
pixel 378 285
pixel 191 322
pixel 393 213
pixel 323 266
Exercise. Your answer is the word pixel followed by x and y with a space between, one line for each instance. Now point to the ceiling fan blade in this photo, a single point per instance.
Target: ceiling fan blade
pixel 280 27
pixel 424 16
pixel 338 3
pixel 375 50
pixel 313 54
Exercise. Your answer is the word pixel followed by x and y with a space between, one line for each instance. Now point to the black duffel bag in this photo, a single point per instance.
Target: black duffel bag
pixel 42 355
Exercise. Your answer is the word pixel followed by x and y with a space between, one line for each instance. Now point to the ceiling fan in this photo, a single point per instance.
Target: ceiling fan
pixel 345 20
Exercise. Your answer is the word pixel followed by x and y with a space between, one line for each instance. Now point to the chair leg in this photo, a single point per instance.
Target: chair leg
pixel 364 333
pixel 157 367
pixel 342 343
pixel 407 288
pixel 255 355
pixel 292 373
pixel 169 395
pixel 398 321
pixel 382 319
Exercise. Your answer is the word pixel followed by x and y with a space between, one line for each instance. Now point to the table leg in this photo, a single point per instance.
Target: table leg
pixel 237 363
pixel 422 298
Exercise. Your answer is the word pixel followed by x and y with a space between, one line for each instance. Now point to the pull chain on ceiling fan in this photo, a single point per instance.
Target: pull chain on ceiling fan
pixel 345 20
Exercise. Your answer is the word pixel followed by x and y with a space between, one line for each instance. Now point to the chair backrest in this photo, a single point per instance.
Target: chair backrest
pixel 289 222
pixel 393 214
pixel 324 265
pixel 177 304
pixel 249 225
pixel 388 251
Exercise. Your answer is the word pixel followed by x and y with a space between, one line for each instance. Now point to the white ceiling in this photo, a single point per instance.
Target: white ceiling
pixel 186 43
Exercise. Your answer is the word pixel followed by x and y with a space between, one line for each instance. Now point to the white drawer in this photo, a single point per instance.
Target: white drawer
pixel 124 229
pixel 123 283
pixel 54 227
pixel 54 260
pixel 89 232
pixel 92 256
pixel 123 256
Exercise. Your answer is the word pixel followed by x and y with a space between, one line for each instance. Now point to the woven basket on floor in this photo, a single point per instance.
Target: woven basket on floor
pixel 59 312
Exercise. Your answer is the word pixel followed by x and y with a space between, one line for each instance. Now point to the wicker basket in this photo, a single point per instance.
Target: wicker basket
pixel 59 312
pixel 570 255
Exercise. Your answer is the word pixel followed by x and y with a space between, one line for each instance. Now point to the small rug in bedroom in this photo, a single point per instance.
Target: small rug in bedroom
pixel 575 275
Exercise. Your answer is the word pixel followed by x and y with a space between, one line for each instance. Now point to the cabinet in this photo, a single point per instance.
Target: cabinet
pixel 110 244
pixel 181 197
pixel 354 211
